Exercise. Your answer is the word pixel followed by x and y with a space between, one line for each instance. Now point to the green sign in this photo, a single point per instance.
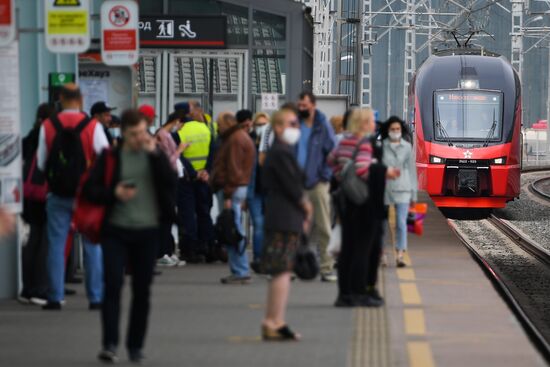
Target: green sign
pixel 60 79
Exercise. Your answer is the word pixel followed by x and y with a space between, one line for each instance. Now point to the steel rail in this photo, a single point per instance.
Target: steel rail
pixel 535 189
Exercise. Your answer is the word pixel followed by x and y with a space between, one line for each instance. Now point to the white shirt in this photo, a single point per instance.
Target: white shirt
pixel 100 142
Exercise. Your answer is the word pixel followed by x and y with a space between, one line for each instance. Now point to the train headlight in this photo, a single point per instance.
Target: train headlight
pixel 469 84
pixel 436 160
pixel 499 161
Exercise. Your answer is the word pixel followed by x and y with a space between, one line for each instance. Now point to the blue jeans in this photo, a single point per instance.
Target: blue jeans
pixel 59 214
pixel 256 209
pixel 401 212
pixel 238 263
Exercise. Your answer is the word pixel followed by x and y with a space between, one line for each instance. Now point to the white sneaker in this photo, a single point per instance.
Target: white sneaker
pixel 166 261
pixel 177 260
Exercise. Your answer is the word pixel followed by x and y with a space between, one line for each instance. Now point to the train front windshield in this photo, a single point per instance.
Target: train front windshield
pixel 466 115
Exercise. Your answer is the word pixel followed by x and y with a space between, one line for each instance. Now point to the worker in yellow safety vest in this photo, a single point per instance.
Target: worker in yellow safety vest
pixel 197 242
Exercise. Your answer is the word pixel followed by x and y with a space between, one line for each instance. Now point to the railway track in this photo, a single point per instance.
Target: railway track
pixel 541 187
pixel 529 314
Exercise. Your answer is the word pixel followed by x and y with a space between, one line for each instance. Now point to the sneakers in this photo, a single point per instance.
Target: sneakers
pixel 399 262
pixel 233 279
pixel 329 277
pixel 167 261
pixel 108 355
pixel 136 356
pixel 177 260
pixel 27 298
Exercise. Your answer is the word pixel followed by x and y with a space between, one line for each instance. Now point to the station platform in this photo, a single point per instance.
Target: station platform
pixel 440 311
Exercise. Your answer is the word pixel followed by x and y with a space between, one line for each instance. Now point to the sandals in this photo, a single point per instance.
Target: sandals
pixel 284 333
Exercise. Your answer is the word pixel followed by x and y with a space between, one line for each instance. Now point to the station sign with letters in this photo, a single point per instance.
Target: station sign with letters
pixel 183 31
pixel 67 25
pixel 119 32
pixel 7 22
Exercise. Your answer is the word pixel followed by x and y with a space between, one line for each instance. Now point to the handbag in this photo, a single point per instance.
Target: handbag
pixel 88 217
pixel 352 186
pixel 306 266
pixel 35 187
pixel 227 232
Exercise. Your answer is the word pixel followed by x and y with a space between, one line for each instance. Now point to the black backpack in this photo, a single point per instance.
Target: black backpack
pixel 66 159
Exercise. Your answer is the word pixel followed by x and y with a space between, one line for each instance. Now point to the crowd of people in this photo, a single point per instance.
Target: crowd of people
pixel 289 171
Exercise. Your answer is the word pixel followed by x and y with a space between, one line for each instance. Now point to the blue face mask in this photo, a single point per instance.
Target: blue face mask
pixel 115 132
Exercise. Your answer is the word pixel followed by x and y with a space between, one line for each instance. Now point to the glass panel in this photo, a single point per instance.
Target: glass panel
pixel 237 24
pixel 147 68
pixel 268 71
pixel 147 7
pixel 468 115
pixel 269 30
pixel 188 7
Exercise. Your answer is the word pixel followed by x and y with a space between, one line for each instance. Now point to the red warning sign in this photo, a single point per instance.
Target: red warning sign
pixel 5 12
pixel 123 40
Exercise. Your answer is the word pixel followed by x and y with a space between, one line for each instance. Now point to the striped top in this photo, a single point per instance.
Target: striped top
pixel 344 152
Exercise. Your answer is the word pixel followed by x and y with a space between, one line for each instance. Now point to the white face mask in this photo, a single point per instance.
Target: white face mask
pixel 260 129
pixel 115 132
pixel 394 136
pixel 291 135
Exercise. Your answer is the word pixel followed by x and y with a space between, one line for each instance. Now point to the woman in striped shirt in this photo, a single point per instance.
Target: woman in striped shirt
pixel 361 224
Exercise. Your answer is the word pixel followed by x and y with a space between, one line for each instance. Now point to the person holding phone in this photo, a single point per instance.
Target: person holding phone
pixel 402 192
pixel 140 201
pixel 361 224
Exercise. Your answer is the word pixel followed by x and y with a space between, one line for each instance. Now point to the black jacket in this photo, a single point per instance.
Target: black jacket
pixel 164 179
pixel 283 181
pixel 33 212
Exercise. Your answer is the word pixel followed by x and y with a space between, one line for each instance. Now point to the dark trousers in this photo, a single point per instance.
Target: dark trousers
pixel 35 253
pixel 136 249
pixel 360 251
pixel 166 241
pixel 194 204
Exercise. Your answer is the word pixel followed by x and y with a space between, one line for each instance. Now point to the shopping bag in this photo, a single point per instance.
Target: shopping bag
pixel 335 243
pixel 415 218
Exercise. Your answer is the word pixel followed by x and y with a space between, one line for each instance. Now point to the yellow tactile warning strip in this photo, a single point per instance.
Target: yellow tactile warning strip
pixel 370 345
pixel 420 354
pixel 418 349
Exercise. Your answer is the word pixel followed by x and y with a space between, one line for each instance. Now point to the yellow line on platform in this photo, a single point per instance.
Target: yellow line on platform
pixel 410 294
pixel 407 258
pixel 406 274
pixel 415 323
pixel 420 354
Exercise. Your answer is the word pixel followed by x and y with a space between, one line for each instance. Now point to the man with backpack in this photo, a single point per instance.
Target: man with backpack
pixel 68 144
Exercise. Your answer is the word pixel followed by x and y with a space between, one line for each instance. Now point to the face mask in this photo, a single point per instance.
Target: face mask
pixel 115 132
pixel 303 114
pixel 291 135
pixel 394 136
pixel 260 129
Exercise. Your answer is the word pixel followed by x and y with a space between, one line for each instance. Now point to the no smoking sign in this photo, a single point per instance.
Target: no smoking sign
pixel 119 16
pixel 119 30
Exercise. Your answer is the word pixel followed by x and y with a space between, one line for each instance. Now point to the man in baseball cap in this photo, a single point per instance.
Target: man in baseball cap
pixel 149 113
pixel 101 111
